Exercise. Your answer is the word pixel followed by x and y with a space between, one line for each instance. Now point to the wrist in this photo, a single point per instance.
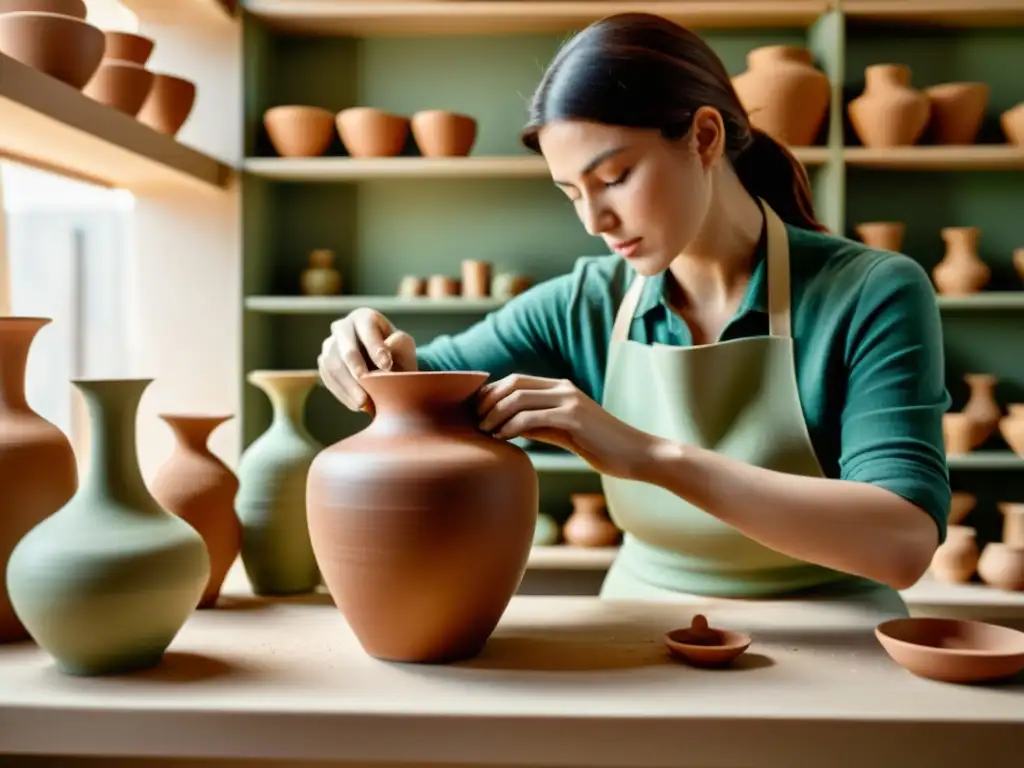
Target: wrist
pixel 657 460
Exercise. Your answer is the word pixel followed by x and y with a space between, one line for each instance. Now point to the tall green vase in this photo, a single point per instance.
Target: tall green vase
pixel 271 502
pixel 105 584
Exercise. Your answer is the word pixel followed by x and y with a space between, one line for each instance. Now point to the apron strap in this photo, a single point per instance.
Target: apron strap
pixel 624 317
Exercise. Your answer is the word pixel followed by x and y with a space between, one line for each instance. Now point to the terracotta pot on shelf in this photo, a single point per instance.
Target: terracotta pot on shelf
pixel 442 286
pixel 76 9
pixel 62 47
pixel 956 559
pixel 960 506
pixel 589 524
pixel 961 271
pixel 476 279
pixel 1011 427
pixel 440 133
pixel 957 111
pixel 169 104
pixel 1012 123
pixel 889 113
pixel 1013 523
pixel 784 94
pixel 320 278
pixel 128 46
pixel 299 131
pixel 370 132
pixel 957 432
pixel 883 235
pixel 410 286
pixel 123 85
pixel 1018 262
pixel 1002 566
pixel 982 406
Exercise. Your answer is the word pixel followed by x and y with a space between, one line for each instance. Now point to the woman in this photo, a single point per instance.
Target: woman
pixel 771 396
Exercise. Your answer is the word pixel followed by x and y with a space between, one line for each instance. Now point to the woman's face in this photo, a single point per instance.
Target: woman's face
pixel 646 196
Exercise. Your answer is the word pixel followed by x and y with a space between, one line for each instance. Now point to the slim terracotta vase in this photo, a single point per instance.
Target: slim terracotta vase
pixel 105 584
pixel 961 271
pixel 889 113
pixel 271 501
pixel 200 489
pixel 38 472
pixel 982 407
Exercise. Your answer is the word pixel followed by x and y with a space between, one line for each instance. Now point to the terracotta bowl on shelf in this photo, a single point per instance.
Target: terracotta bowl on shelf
pixel 74 8
pixel 169 104
pixel 126 46
pixel 953 650
pixel 123 85
pixel 298 130
pixel 704 646
pixel 440 133
pixel 370 132
pixel 62 47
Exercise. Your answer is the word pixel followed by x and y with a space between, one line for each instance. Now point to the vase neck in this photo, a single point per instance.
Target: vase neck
pixel 424 402
pixel 772 54
pixel 16 337
pixel 287 392
pixel 961 241
pixel 886 75
pixel 192 433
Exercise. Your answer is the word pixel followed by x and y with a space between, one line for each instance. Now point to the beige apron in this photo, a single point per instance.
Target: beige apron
pixel 739 398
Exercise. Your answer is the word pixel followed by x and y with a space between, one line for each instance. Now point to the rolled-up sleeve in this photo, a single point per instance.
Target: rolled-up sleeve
pixel 896 391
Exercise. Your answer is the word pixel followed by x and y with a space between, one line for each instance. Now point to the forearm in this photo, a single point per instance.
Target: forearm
pixel 845 525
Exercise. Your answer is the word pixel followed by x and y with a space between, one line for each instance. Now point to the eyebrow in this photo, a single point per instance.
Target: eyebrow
pixel 596 161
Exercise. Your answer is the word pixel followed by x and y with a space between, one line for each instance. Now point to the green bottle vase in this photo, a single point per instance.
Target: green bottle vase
pixel 271 502
pixel 106 583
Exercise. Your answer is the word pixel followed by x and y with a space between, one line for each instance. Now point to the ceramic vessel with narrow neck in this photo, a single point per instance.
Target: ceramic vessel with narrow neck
pixel 961 271
pixel 982 407
pixel 889 113
pixel 589 524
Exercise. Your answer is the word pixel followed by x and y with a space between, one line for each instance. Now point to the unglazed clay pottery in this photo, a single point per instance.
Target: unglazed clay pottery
pixel 199 488
pixel 545 531
pixel 1012 123
pixel 982 406
pixel 883 235
pixel 320 278
pixel 956 559
pixel 476 279
pixel 299 131
pixel 784 94
pixel 38 471
pixel 127 46
pixel 271 501
pixel 439 133
pixel 889 113
pixel 1013 523
pixel 1018 262
pixel 442 286
pixel 957 111
pixel 960 506
pixel 74 8
pixel 422 524
pixel 961 271
pixel 1002 566
pixel 122 85
pixel 62 47
pixel 589 524
pixel 953 650
pixel 1011 427
pixel 169 104
pixel 369 132
pixel 704 646
pixel 957 432
pixel 105 584
pixel 507 285
pixel 412 285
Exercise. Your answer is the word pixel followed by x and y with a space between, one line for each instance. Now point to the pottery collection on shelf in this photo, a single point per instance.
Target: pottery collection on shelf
pixel 477 280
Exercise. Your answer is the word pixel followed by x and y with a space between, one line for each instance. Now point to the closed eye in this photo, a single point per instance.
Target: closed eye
pixel 621 179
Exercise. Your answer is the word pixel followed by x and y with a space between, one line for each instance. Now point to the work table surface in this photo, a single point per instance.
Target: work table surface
pixel 563 681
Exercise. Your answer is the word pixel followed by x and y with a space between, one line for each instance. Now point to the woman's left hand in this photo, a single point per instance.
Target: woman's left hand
pixel 554 411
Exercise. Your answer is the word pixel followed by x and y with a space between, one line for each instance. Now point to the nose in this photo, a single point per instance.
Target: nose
pixel 597 218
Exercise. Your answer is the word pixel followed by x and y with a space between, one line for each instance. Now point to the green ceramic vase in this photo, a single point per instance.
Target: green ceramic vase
pixel 105 584
pixel 271 502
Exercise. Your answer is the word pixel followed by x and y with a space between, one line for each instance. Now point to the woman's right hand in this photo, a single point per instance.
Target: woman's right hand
pixel 362 341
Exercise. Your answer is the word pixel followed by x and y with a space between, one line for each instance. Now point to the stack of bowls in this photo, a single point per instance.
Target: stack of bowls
pixel 53 37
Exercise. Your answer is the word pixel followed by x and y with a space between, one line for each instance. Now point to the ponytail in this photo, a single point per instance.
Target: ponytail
pixel 770 171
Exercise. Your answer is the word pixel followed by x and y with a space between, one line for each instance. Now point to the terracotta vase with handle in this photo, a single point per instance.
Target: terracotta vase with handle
pixel 961 270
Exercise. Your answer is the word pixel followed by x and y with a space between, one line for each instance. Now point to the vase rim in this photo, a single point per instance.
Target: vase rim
pixel 26 320
pixel 112 380
pixel 417 374
pixel 267 374
pixel 195 417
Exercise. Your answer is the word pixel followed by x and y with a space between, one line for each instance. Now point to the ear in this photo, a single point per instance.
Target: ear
pixel 707 135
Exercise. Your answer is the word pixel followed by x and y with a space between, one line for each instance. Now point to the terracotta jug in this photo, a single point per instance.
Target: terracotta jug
pixel 1011 427
pixel 961 271
pixel 589 524
pixel 271 502
pixel 422 524
pixel 1002 566
pixel 200 489
pixel 957 111
pixel 1013 523
pixel 320 278
pixel 889 113
pixel 883 235
pixel 105 584
pixel 956 559
pixel 784 94
pixel 38 472
pixel 982 407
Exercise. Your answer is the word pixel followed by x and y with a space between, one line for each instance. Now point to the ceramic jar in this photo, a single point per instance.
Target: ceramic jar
pixel 961 271
pixel 320 278
pixel 882 235
pixel 1002 566
pixel 1011 427
pixel 1013 523
pixel 957 111
pixel 422 524
pixel 440 133
pixel 38 471
pixel 889 113
pixel 956 559
pixel 1012 123
pixel 589 524
pixel 982 407
pixel 299 130
pixel 105 584
pixel 784 94
pixel 63 47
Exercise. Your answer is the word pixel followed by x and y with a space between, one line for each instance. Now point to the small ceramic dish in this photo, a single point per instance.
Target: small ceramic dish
pixel 952 650
pixel 704 646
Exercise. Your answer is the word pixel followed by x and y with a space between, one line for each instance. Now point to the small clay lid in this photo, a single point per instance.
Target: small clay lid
pixel 704 646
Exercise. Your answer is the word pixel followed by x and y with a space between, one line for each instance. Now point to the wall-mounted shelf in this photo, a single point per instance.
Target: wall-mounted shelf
pixel 182 11
pixel 942 13
pixel 986 300
pixel 317 305
pixel 49 124
pixel 995 157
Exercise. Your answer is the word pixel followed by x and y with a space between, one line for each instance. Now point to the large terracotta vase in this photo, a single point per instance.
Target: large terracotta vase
pixel 784 94
pixel 271 502
pixel 38 473
pixel 889 113
pixel 961 270
pixel 200 489
pixel 105 584
pixel 421 523
pixel 982 407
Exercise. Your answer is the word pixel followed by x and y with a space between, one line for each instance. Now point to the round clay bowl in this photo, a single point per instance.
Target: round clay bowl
pixel 74 8
pixel 953 650
pixel 299 131
pixel 126 46
pixel 63 47
pixel 702 646
pixel 169 104
pixel 123 85
pixel 369 132
pixel 439 133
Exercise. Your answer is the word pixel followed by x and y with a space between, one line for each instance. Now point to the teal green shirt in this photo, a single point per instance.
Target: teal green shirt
pixel 866 330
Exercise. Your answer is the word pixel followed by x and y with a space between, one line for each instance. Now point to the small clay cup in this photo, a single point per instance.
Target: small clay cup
pixel 74 8
pixel 953 650
pixel 298 130
pixel 440 133
pixel 62 47
pixel 123 85
pixel 169 104
pixel 370 132
pixel 126 46
pixel 443 286
pixel 702 646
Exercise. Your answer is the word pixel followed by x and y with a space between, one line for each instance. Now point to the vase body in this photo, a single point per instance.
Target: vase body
pixel 784 94
pixel 105 584
pixel 982 407
pixel 1011 427
pixel 956 111
pixel 956 559
pixel 271 501
pixel 889 113
pixel 199 488
pixel 883 235
pixel 589 524
pixel 961 271
pixel 38 471
pixel 1002 566
pixel 421 523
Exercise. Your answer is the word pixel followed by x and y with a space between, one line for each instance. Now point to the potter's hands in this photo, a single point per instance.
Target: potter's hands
pixel 362 341
pixel 554 411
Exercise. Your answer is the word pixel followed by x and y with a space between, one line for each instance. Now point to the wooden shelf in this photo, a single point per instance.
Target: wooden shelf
pixel 49 124
pixel 985 300
pixel 365 18
pixel 943 13
pixel 995 157
pixel 182 11
pixel 562 557
pixel 315 305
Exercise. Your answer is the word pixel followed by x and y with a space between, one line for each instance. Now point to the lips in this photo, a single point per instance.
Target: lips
pixel 627 248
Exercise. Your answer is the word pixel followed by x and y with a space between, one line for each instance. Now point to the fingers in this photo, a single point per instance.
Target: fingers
pixel 356 343
pixel 545 423
pixel 517 403
pixel 371 328
pixel 338 378
pixel 490 394
pixel 403 351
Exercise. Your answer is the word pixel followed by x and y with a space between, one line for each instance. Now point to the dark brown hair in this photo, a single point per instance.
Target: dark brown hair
pixel 639 70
